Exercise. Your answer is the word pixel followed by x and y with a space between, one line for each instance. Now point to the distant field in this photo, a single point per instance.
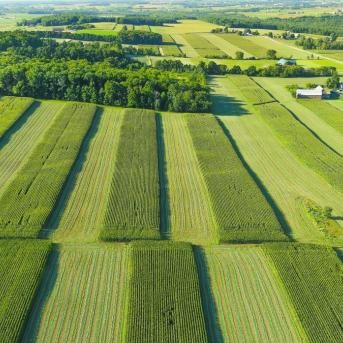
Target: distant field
pixel 21 266
pixel 203 47
pixel 164 294
pixel 79 213
pixel 104 26
pixel 185 47
pixel 98 32
pixel 191 217
pixel 82 296
pixel 167 39
pixel 171 50
pixel 246 287
pixel 242 211
pixel 133 208
pixel 305 270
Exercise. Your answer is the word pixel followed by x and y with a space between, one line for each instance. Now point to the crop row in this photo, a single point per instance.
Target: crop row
pixel 21 264
pixel 133 209
pixel 242 212
pixel 313 278
pixel 164 295
pixel 204 47
pixel 251 90
pixel 11 109
pixel 303 143
pixel 29 199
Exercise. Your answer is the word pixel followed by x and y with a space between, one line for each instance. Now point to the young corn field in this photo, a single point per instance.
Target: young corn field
pixel 164 303
pixel 21 265
pixel 242 212
pixel 31 196
pixel 133 208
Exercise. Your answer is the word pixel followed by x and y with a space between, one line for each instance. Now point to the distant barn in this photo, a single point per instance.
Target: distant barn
pixel 286 62
pixel 315 93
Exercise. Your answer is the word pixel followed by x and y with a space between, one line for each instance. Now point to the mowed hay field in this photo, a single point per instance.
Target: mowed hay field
pixel 82 296
pixel 80 211
pixel 204 47
pixel 252 304
pixel 164 302
pixel 191 215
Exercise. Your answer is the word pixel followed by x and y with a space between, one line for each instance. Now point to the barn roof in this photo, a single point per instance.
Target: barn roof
pixel 308 92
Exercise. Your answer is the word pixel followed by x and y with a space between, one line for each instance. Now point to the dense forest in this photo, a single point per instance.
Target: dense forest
pixel 324 25
pixel 329 43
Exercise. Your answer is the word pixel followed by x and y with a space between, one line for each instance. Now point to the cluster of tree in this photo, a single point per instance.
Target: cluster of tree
pixel 139 37
pixel 103 84
pixel 212 68
pixel 141 51
pixel 65 19
pixel 324 25
pixel 328 43
pixel 80 26
pixel 147 20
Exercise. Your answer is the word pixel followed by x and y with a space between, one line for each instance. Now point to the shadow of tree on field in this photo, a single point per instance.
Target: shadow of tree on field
pixel 48 280
pixel 18 124
pixel 214 334
pixel 280 216
pixel 162 168
pixel 223 105
pixel 55 216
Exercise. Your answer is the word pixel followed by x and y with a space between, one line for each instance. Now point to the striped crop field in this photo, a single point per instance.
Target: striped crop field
pixel 167 39
pixel 308 148
pixel 171 50
pixel 82 296
pixel 251 302
pixel 164 295
pixel 313 278
pixel 11 109
pixel 21 266
pixel 252 91
pixel 323 109
pixel 19 146
pixel 242 212
pixel 133 209
pixel 244 44
pixel 29 199
pixel 204 47
pixel 191 217
pixel 82 205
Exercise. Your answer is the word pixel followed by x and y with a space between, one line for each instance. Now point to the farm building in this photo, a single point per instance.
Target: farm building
pixel 286 62
pixel 315 93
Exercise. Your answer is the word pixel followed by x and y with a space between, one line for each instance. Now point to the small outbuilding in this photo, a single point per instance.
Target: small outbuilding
pixel 315 93
pixel 286 62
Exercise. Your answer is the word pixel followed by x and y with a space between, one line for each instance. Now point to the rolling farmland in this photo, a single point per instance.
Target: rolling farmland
pixel 21 266
pixel 164 295
pixel 82 296
pixel 204 47
pixel 242 212
pixel 252 304
pixel 133 209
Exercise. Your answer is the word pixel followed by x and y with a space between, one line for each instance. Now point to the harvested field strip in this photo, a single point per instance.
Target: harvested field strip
pixel 15 152
pixel 303 143
pixel 171 50
pixel 191 216
pixel 323 109
pixel 133 209
pixel 80 213
pixel 21 266
pixel 313 278
pixel 82 296
pixel 11 108
pixel 242 212
pixel 252 91
pixel 185 47
pixel 28 200
pixel 167 39
pixel 164 295
pixel 244 44
pixel 252 304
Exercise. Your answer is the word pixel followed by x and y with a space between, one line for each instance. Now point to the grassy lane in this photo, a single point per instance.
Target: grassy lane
pixel 81 298
pixel 164 295
pixel 11 109
pixel 79 214
pixel 21 266
pixel 15 151
pixel 277 87
pixel 252 304
pixel 313 278
pixel 30 197
pixel 287 180
pixel 191 216
pixel 133 208
pixel 324 110
pixel 242 212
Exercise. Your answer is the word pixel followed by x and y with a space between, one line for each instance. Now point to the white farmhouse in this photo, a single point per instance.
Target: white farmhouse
pixel 315 93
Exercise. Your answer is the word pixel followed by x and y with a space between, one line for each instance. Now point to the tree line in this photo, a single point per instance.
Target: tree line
pixel 327 43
